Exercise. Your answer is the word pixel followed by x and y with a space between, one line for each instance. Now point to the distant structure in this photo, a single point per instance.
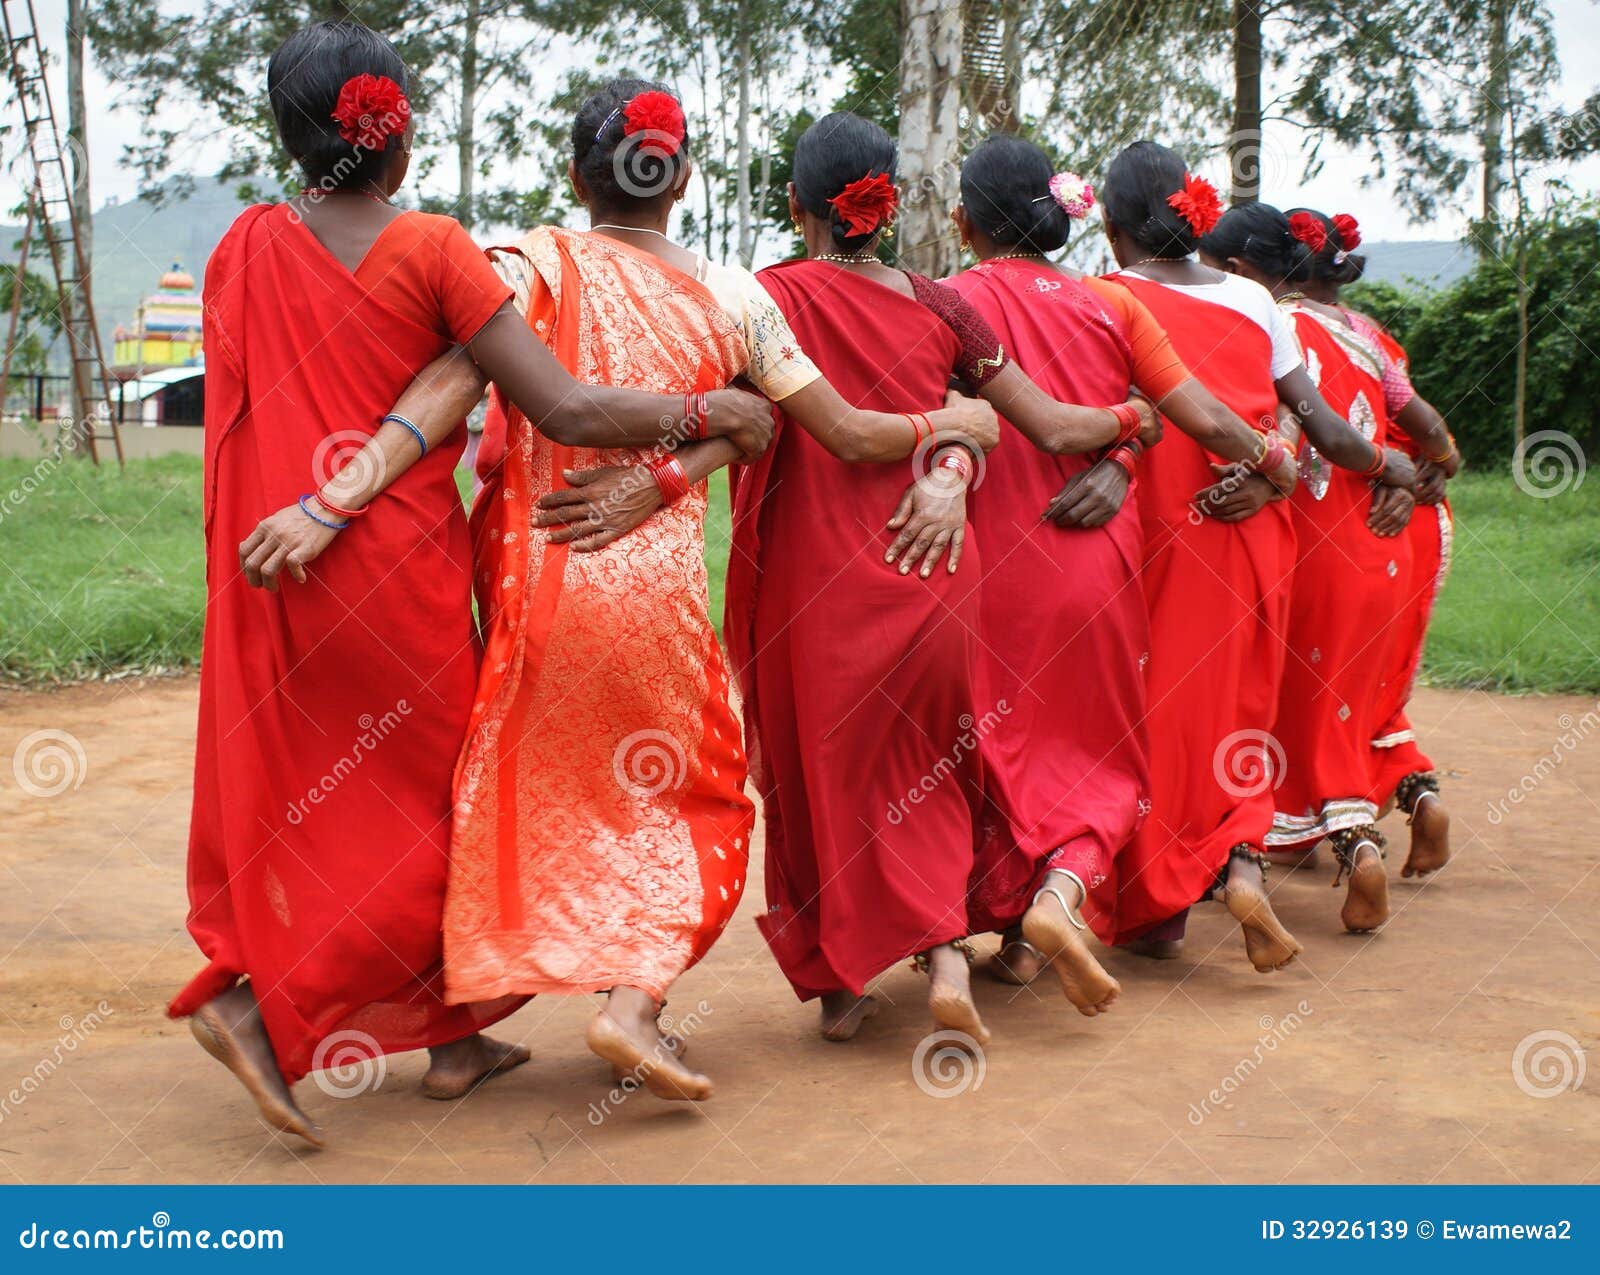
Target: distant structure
pixel 166 330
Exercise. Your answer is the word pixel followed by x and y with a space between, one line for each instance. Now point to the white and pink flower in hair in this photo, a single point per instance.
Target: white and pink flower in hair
pixel 1073 194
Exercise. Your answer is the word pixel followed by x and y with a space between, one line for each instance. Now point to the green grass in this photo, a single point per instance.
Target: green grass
pixel 1521 609
pixel 101 573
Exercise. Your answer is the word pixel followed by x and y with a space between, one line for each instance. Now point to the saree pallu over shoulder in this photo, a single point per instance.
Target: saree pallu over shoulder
pixel 859 683
pixel 329 716
pixel 601 830
pixel 1349 593
pixel 1065 635
pixel 1218 597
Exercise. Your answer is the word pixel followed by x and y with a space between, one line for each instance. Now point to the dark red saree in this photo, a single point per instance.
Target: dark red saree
pixel 860 699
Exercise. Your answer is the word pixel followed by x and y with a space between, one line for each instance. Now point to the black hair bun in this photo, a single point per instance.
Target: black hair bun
pixel 1005 189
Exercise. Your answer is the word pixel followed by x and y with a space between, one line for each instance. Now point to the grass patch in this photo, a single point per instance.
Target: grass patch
pixel 1521 609
pixel 102 573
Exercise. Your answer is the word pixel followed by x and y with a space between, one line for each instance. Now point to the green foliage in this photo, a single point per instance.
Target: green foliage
pixel 38 319
pixel 1462 341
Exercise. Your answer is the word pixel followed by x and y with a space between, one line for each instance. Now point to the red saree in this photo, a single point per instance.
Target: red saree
pixel 1063 619
pixel 1218 597
pixel 859 682
pixel 331 711
pixel 601 829
pixel 1349 601
pixel 1431 533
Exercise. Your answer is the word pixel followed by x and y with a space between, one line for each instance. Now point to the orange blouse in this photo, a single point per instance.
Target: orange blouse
pixel 1157 369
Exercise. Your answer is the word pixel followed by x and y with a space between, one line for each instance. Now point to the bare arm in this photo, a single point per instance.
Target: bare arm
pixel 1422 421
pixel 858 435
pixel 1058 428
pixel 1218 428
pixel 1334 436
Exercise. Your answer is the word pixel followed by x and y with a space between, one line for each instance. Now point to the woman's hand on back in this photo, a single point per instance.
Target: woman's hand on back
pixel 1091 497
pixel 744 419
pixel 598 506
pixel 284 541
pixel 1391 510
pixel 931 517
pixel 1149 420
pixel 975 420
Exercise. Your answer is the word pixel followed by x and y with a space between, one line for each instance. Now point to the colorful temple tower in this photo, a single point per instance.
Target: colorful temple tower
pixel 166 331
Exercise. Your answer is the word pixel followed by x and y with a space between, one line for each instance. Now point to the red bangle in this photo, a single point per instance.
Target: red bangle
pixel 669 476
pixel 694 416
pixel 1123 456
pixel 1127 422
pixel 702 405
pixel 335 509
pixel 918 422
pixel 1376 468
pixel 956 458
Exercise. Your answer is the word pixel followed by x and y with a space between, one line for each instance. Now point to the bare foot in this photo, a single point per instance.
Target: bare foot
pixel 1268 945
pixel 229 1028
pixel 1366 899
pixel 1430 837
pixel 674 1045
pixel 1016 962
pixel 950 993
pixel 843 1013
pixel 458 1068
pixel 624 1034
pixel 1048 927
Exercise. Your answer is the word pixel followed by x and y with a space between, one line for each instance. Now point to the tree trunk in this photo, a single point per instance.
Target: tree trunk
pixel 466 134
pixel 741 184
pixel 1495 90
pixel 83 214
pixel 1244 147
pixel 930 123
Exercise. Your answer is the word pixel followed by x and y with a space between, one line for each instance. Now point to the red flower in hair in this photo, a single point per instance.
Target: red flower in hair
pixel 866 204
pixel 659 117
pixel 371 109
pixel 1349 231
pixel 1308 230
pixel 1197 204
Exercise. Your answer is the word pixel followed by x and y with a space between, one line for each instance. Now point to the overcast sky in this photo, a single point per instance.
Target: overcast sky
pixel 1337 188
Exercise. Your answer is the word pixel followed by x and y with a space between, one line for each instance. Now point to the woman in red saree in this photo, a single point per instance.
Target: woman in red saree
pixel 1218 559
pixel 1348 599
pixel 607 851
pixel 863 690
pixel 331 710
pixel 1065 632
pixel 1406 775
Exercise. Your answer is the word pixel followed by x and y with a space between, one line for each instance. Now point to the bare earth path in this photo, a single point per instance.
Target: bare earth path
pixel 1381 1058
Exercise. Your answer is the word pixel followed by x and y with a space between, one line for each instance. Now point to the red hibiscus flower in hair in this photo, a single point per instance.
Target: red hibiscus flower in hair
pixel 1309 230
pixel 1197 204
pixel 866 204
pixel 659 116
pixel 371 109
pixel 1349 231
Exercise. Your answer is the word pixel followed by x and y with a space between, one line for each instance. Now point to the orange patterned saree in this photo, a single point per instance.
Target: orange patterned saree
pixel 601 830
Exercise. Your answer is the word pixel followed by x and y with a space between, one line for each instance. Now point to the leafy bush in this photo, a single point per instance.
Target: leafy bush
pixel 1462 340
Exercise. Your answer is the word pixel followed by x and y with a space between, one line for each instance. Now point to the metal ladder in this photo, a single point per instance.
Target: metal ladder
pixel 57 222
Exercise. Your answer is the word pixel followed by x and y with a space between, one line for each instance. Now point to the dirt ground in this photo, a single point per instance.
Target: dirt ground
pixel 1391 1057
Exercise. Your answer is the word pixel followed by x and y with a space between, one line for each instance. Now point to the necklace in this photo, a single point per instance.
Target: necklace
pixel 638 230
pixel 1017 256
pixel 1293 296
pixel 1148 260
pixel 846 260
pixel 316 192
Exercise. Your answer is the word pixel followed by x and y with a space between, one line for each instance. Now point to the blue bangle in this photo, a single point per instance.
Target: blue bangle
pixel 332 526
pixel 417 433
